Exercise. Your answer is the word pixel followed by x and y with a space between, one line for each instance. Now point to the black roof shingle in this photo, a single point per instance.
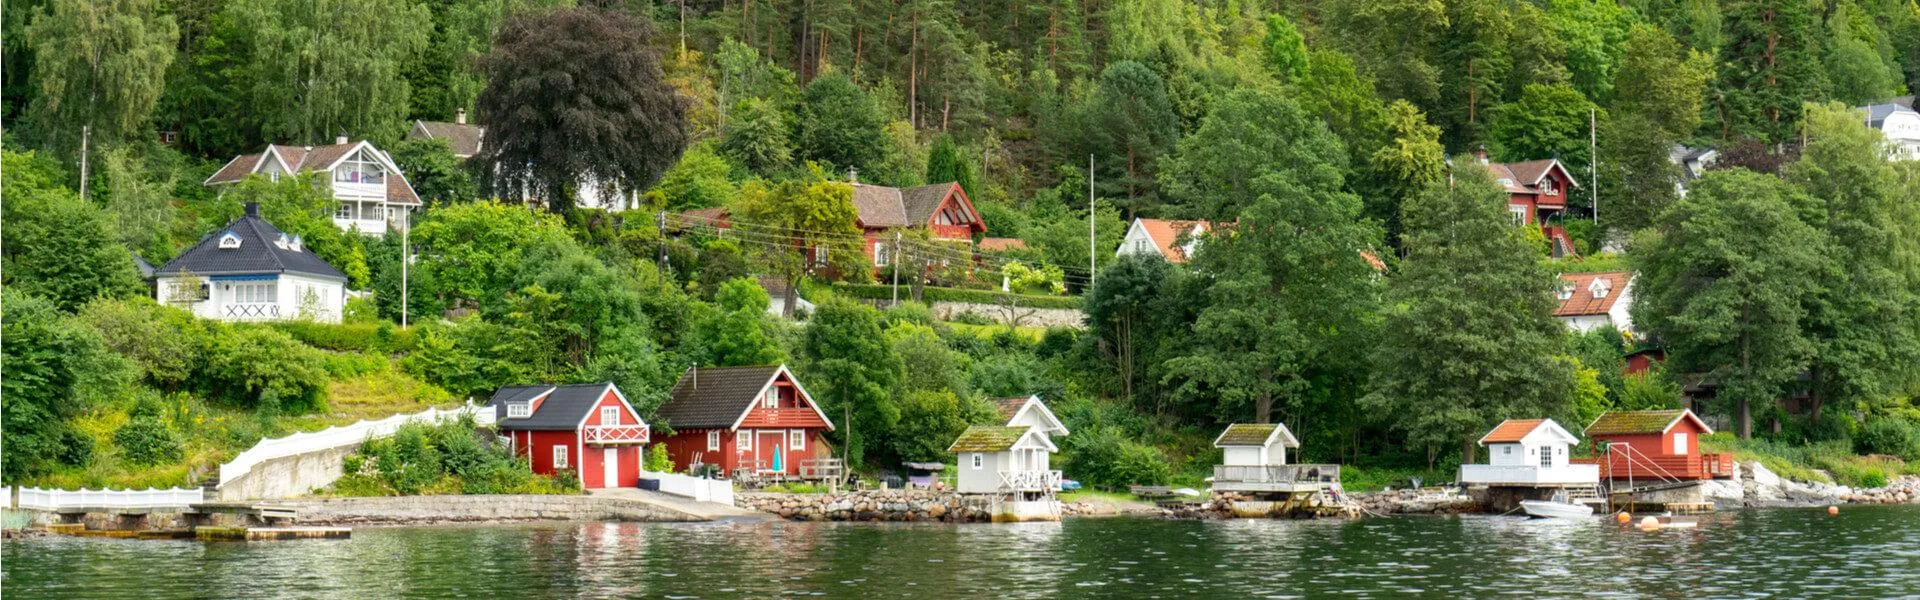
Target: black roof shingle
pixel 257 253
pixel 714 396
pixel 564 408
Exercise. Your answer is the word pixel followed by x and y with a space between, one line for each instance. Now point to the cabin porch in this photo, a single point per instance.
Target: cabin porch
pixel 1275 478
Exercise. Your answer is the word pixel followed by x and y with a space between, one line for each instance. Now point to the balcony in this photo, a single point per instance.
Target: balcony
pixel 614 435
pixel 250 311
pixel 1522 475
pixel 1030 481
pixel 1275 478
pixel 781 417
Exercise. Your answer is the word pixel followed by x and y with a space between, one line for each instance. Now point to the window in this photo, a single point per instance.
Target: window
pixel 797 440
pixel 979 461
pixel 256 293
pixel 1566 291
pixel 713 441
pixel 360 168
pixel 229 241
pixel 609 415
pixel 559 457
pixel 820 256
pixel 1600 287
pixel 1679 443
pixel 881 254
pixel 344 212
pixel 1506 450
pixel 771 399
pixel 1517 213
pixel 1546 457
pixel 743 440
pixel 519 410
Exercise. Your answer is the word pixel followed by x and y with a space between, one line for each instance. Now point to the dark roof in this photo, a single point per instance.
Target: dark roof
pixel 146 268
pixel 879 206
pixel 985 438
pixel 1877 114
pixel 258 253
pixel 563 409
pixel 714 396
pixel 462 138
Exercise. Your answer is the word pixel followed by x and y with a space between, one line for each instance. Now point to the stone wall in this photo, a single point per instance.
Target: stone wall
pixel 414 510
pixel 1033 317
pixel 288 476
pixel 870 505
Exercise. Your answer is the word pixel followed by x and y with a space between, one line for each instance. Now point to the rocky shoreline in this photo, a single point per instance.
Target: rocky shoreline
pixel 1754 486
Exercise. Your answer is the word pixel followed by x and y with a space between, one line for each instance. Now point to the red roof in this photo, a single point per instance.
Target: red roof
pixel 1524 177
pixel 1583 301
pixel 1511 431
pixel 1001 244
pixel 1166 235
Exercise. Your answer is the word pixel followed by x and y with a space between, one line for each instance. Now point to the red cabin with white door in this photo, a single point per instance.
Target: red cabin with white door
pixel 589 430
pixel 1652 445
pixel 747 420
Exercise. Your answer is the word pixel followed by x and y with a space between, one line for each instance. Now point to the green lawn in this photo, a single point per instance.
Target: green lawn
pixel 1030 333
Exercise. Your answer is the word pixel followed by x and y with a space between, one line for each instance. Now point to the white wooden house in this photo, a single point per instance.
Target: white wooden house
pixel 251 271
pixel 1900 124
pixel 1529 453
pixel 1030 412
pixel 1589 301
pixel 1174 240
pixel 1254 459
pixel 1005 460
pixel 374 195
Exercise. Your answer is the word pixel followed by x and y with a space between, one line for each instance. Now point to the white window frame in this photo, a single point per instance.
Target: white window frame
pixel 229 241
pixel 713 441
pixel 1679 443
pixel 979 461
pixel 820 259
pixel 1518 214
pixel 344 212
pixel 519 410
pixel 796 440
pixel 743 440
pixel 771 399
pixel 609 415
pixel 881 254
pixel 1546 458
pixel 560 457
pixel 371 171
pixel 256 292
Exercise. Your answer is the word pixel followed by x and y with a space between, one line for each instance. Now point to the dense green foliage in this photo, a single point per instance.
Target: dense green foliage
pixel 442 458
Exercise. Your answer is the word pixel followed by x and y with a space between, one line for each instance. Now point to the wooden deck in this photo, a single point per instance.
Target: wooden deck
pixel 1655 468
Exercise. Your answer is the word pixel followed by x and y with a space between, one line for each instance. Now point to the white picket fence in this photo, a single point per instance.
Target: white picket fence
pixel 39 499
pixel 696 488
pixel 338 436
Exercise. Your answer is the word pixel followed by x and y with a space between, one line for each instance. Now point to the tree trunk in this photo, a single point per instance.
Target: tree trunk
pixel 1815 397
pixel 1745 418
pixel 913 75
pixel 1466 450
pixel 791 296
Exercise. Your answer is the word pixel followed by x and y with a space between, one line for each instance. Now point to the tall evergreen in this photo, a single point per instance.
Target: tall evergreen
pixel 1769 65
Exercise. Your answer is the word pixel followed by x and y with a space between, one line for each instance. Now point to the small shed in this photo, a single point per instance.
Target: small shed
pixel 1654 444
pixel 1255 444
pixel 924 475
pixel 589 430
pixel 996 459
pixel 1528 443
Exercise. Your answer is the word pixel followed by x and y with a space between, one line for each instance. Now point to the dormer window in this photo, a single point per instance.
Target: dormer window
pixel 1600 288
pixel 360 168
pixel 229 241
pixel 519 410
pixel 1566 291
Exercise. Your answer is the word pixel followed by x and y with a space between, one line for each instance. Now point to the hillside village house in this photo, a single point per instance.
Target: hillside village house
pixel 942 209
pixel 1589 301
pixel 1693 163
pixel 1006 460
pixel 251 271
pixel 749 421
pixel 1174 240
pixel 374 195
pixel 1536 191
pixel 1652 445
pixel 587 429
pixel 466 140
pixel 1900 124
pixel 1529 453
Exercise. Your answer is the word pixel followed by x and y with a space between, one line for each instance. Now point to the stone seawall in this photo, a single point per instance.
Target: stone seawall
pixel 871 505
pixel 288 476
pixel 422 510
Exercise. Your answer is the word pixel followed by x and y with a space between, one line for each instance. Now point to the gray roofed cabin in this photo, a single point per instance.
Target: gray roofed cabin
pixel 588 430
pixel 252 271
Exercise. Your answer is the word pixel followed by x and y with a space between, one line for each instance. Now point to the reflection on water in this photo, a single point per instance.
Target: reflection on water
pixel 1865 552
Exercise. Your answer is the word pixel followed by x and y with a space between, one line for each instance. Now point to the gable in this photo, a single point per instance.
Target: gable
pixel 1031 412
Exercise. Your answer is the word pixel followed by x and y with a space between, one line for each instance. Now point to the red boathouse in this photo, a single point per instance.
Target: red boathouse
pixel 589 429
pixel 1653 445
pixel 749 421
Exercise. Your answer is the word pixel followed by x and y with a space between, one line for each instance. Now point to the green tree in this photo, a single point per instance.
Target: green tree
pixel 1859 73
pixel 1637 174
pixel 140 203
pixel 757 135
pixel 844 344
pixel 56 370
pixel 1132 124
pixel 840 125
pixel 99 65
pixel 313 79
pixel 476 249
pixel 1251 134
pixel 1769 65
pixel 1285 51
pixel 577 95
pixel 1472 284
pixel 803 225
pixel 735 334
pixel 1476 64
pixel 947 163
pixel 1410 162
pixel 1136 315
pixel 436 174
pixel 1662 81
pixel 1545 122
pixel 699 180
pixel 1725 281
pixel 1393 40
pixel 58 247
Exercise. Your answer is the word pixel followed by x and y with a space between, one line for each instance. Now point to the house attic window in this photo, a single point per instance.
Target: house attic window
pixel 229 241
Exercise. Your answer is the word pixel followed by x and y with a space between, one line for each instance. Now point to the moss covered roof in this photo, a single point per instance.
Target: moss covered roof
pixel 1255 434
pixel 983 438
pixel 1634 421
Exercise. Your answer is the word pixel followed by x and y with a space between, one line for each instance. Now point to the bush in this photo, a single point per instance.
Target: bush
pixel 971 318
pixel 441 458
pixel 940 294
pixel 251 366
pixel 657 460
pixel 377 337
pixel 1109 460
pixel 148 441
pixel 1893 437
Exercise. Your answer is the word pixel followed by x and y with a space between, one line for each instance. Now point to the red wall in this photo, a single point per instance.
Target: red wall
pixel 583 460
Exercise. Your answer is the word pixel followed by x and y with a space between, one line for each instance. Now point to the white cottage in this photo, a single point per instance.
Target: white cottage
pixel 1900 124
pixel 1005 460
pixel 1030 412
pixel 1171 239
pixel 374 196
pixel 1589 301
pixel 1254 459
pixel 1529 452
pixel 251 271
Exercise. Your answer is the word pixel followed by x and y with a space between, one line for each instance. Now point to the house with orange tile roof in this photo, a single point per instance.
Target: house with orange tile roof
pixel 1530 453
pixel 1173 239
pixel 1589 301
pixel 374 195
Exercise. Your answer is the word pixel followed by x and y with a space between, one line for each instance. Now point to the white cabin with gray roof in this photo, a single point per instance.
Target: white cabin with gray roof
pixel 1900 124
pixel 251 271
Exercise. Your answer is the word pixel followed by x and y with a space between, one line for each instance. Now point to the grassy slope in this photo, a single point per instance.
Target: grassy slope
pixel 1824 461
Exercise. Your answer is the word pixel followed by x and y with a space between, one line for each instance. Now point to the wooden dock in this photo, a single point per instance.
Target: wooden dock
pixel 259 534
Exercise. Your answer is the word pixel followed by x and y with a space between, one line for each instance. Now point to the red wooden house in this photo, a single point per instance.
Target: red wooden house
pixel 1652 445
pixel 747 420
pixel 589 429
pixel 942 209
pixel 1536 190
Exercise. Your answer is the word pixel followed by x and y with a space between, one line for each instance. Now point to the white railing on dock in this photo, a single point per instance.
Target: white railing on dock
pixel 1573 474
pixel 338 436
pixel 39 499
pixel 1030 481
pixel 696 488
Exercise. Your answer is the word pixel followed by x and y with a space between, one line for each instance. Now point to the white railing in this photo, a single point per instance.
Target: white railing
pixel 699 489
pixel 251 310
pixel 338 436
pixel 617 434
pixel 1030 481
pixel 36 498
pixel 1276 473
pixel 1526 474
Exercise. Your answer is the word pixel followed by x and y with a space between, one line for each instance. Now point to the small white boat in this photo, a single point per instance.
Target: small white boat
pixel 1550 509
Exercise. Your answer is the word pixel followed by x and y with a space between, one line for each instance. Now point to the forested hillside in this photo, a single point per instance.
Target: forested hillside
pixel 1321 131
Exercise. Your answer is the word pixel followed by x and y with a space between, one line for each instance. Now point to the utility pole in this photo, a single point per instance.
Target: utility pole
pixel 662 221
pixel 1593 159
pixel 86 136
pixel 894 257
pixel 406 256
pixel 1093 257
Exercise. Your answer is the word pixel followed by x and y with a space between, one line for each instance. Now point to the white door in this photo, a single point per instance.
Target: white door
pixel 1679 443
pixel 610 468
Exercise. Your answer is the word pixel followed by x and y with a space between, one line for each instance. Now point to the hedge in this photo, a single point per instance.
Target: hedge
pixel 382 338
pixel 942 294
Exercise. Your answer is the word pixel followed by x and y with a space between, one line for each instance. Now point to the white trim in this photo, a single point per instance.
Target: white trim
pixel 979 460
pixel 560 457
pixel 796 435
pixel 763 390
pixel 713 440
pixel 526 410
pixel 1278 428
pixel 603 415
pixel 742 440
pixel 1559 432
pixel 1044 442
pixel 623 402
pixel 1033 401
pixel 279 159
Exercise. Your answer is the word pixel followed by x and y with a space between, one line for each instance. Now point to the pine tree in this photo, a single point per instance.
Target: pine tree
pixel 1770 64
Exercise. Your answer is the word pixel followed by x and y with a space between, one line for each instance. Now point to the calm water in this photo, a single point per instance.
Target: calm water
pixel 1864 552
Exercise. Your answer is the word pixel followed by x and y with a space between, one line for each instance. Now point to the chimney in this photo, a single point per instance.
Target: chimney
pixel 340 139
pixel 1480 152
pixel 253 209
pixel 853 176
pixel 460 116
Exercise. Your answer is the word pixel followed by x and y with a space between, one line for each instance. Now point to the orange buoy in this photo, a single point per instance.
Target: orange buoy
pixel 1623 517
pixel 1649 522
pixel 1833 510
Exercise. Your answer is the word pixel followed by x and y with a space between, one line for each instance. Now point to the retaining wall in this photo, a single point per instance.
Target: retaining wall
pixel 417 510
pixel 871 505
pixel 288 476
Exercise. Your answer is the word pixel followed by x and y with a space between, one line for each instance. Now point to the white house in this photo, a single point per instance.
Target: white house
pixel 373 193
pixel 1529 452
pixel 1900 124
pixel 1693 163
pixel 1171 239
pixel 1589 301
pixel 1030 412
pixel 251 271
pixel 1254 459
pixel 1006 460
